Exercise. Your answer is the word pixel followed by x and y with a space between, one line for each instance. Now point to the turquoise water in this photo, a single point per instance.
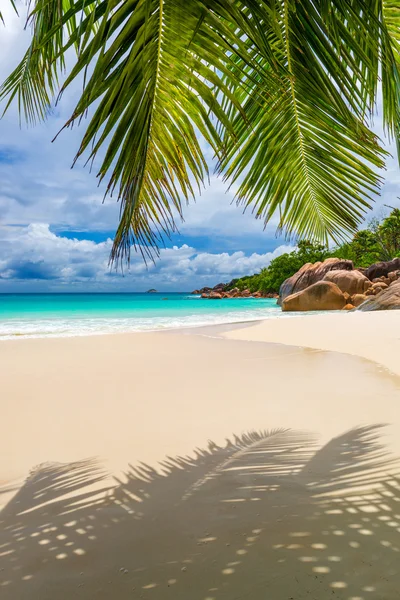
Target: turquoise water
pixel 54 315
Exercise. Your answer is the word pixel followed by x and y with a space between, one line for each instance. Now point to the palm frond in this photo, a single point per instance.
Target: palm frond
pixel 152 93
pixel 307 156
pixel 157 82
pixel 36 80
pixel 391 69
pixel 281 90
pixel 14 5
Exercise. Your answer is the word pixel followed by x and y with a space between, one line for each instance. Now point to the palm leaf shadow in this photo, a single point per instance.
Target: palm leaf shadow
pixel 265 509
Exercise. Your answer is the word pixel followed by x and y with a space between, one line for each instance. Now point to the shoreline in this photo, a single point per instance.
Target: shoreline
pixel 333 331
pixel 172 328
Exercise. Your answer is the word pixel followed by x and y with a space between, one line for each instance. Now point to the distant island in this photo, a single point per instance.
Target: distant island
pixel 152 291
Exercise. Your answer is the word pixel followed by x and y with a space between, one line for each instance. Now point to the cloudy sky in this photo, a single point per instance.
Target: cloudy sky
pixel 56 232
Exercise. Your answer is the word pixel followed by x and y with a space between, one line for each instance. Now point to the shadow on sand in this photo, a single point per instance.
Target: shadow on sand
pixel 269 515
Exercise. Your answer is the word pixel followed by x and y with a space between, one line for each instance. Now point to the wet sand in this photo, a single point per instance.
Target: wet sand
pixel 180 466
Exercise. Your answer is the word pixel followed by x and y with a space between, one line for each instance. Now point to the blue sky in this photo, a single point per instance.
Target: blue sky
pixel 55 230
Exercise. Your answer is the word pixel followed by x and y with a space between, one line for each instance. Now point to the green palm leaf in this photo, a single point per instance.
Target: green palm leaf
pixel 281 90
pixel 152 79
pixel 35 80
pixel 391 68
pixel 13 4
pixel 306 156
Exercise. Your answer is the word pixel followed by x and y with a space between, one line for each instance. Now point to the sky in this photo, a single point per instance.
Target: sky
pixel 56 232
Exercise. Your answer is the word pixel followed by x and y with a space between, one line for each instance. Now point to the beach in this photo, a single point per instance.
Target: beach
pixel 208 464
pixel 371 335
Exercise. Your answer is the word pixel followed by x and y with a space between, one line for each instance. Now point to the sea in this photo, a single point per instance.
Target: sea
pixel 65 315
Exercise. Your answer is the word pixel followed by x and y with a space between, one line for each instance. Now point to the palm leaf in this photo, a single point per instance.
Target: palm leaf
pixel 153 92
pixel 391 69
pixel 35 81
pixel 281 90
pixel 13 4
pixel 307 154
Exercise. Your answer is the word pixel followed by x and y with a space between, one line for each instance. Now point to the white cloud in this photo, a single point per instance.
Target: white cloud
pixel 35 256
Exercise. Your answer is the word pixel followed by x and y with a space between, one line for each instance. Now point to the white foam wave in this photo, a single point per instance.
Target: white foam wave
pixel 62 327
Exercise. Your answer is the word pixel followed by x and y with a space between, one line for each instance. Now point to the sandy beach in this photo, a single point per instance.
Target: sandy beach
pixel 205 465
pixel 200 300
pixel 371 335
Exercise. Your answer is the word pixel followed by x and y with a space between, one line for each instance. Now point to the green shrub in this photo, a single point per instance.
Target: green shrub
pixel 286 265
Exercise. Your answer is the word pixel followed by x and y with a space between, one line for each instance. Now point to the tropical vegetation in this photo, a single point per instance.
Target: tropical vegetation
pixel 282 91
pixel 380 241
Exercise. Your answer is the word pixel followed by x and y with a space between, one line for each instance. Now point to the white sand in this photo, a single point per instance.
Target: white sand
pixel 310 512
pixel 371 335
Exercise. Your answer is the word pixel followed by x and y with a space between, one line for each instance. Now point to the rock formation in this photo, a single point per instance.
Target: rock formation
pixel 322 295
pixel 358 299
pixel 220 287
pixel 355 286
pixel 380 269
pixel 387 299
pixel 217 294
pixel 311 273
pixel 352 282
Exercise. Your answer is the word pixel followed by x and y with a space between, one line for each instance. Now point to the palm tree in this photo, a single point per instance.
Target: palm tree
pixel 282 90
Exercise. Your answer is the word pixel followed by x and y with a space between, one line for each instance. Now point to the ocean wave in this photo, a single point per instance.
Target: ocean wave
pixel 71 327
